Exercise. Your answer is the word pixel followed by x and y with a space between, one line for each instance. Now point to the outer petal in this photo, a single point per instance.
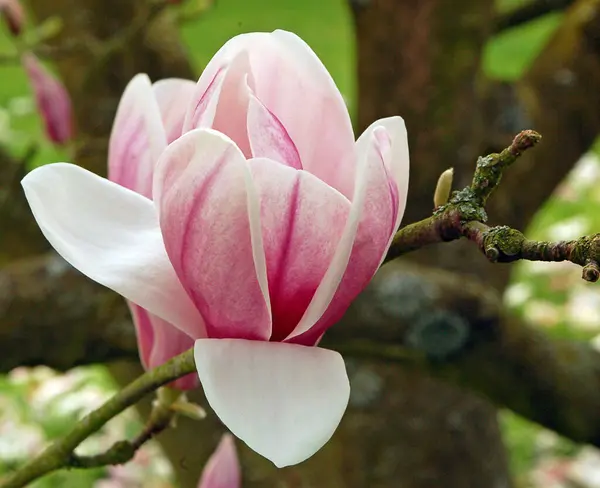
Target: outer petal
pixel 159 341
pixel 284 401
pixel 293 84
pixel 137 138
pixel 209 215
pixel 173 96
pixel 302 221
pixel 110 234
pixel 377 207
pixel 223 468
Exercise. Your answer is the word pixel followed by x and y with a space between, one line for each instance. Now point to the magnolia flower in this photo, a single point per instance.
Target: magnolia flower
pixel 52 100
pixel 223 468
pixel 267 220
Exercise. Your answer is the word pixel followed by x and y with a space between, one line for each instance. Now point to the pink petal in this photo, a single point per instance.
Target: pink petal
pixel 112 235
pixel 205 99
pixel 52 99
pixel 137 138
pixel 268 137
pixel 209 215
pixel 13 14
pixel 159 341
pixel 377 207
pixel 302 222
pixel 284 401
pixel 295 87
pixel 174 96
pixel 223 468
pixel 231 96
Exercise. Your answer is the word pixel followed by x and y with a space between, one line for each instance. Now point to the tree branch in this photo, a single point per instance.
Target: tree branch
pixel 60 454
pixel 464 215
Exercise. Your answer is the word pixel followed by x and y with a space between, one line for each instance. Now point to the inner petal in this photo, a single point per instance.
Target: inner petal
pixel 302 220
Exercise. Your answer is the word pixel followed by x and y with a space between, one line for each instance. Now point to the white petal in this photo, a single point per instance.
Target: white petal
pixel 111 235
pixel 283 400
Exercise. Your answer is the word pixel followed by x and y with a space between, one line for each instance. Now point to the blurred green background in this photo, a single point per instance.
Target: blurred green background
pixel 37 405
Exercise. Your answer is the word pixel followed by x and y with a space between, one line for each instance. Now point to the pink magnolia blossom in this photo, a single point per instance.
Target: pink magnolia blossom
pixel 223 468
pixel 52 99
pixel 148 118
pixel 267 220
pixel 13 14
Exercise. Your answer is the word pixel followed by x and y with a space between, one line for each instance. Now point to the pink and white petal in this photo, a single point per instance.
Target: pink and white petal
pixel 169 342
pixel 209 85
pixel 203 105
pixel 366 238
pixel 223 105
pixel 173 96
pixel 223 467
pixel 294 85
pixel 302 222
pixel 210 219
pixel 137 138
pixel 231 116
pixel 143 331
pixel 111 235
pixel 395 153
pixel 159 341
pixel 268 137
pixel 283 400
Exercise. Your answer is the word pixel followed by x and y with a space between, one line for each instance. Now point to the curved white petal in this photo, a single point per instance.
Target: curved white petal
pixel 137 138
pixel 283 400
pixel 395 154
pixel 111 235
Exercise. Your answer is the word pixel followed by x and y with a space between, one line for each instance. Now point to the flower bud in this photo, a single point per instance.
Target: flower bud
pixel 52 100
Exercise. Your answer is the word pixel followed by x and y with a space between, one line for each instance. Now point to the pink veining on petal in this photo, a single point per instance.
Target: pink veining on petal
pixel 268 137
pixel 294 85
pixel 203 104
pixel 202 187
pixel 52 99
pixel 302 219
pixel 376 225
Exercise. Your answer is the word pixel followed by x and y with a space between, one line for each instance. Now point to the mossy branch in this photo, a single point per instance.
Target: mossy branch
pixel 464 215
pixel 61 453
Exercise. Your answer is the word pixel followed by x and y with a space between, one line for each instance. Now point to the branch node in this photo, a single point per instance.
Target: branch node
pixel 591 271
